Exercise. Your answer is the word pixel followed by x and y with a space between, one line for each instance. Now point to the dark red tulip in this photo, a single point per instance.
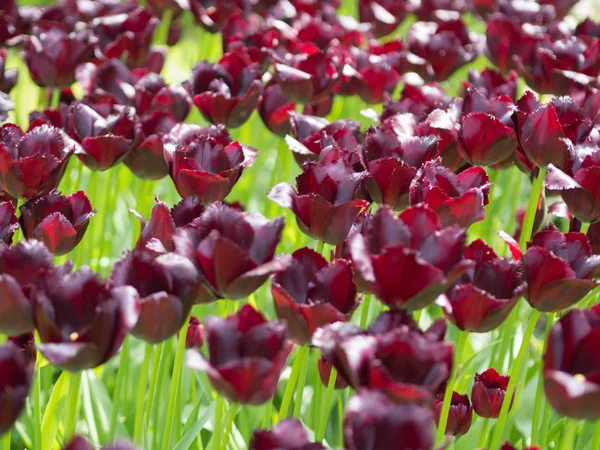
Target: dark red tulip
pixel 8 78
pixel 213 14
pixel 374 422
pixel 274 109
pixel 445 124
pixel 371 77
pixel 508 446
pixel 492 83
pixel 325 368
pixel 205 162
pixel 80 443
pixel 311 293
pixel 307 78
pixel 384 16
pixel 412 243
pixel 52 54
pixel 16 376
pixel 559 269
pixel 460 415
pixel 579 181
pixel 325 202
pixel 26 343
pixel 246 356
pixel 227 92
pixel 289 434
pixel 417 100
pixel 588 28
pixel 166 287
pixel 81 321
pixel 194 336
pixel 486 294
pixel 110 79
pixel 457 199
pixel 11 23
pixel 234 251
pixel 8 222
pixel 571 369
pixel 487 395
pixel 57 220
pixel 32 163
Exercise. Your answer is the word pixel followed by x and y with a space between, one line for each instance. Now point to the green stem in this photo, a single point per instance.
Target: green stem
pixel 303 354
pixel 158 355
pixel 320 246
pixel 539 394
pixel 141 395
pixel 267 416
pixel 341 419
pixel 55 101
pixel 289 389
pixel 546 426
pixel 215 441
pixel 231 412
pixel 37 411
pixel 585 226
pixel 596 437
pixel 326 406
pixel 121 374
pixel 534 198
pixel 514 375
pixel 174 392
pixel 483 433
pixel 6 441
pixel 317 402
pixel 461 340
pixel 73 406
pixel 568 437
pixel 160 38
pixel 364 313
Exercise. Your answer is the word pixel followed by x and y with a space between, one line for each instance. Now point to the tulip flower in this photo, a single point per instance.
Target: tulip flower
pixel 417 100
pixel 213 14
pixel 166 288
pixel 460 415
pixel 571 365
pixel 274 109
pixel 311 293
pixel 205 162
pixel 325 368
pixel 81 321
pixel 405 244
pixel 370 77
pixel 51 55
pixel 32 163
pixel 246 356
pixel 456 199
pixel 234 251
pixel 227 92
pixel 486 294
pixel 15 382
pixel 80 443
pixel 372 422
pixel 26 344
pixel 508 446
pixel 8 222
pixel 384 16
pixel 58 221
pixel 289 434
pixel 325 202
pixel 194 336
pixel 487 395
pixel 492 83
pixel 8 78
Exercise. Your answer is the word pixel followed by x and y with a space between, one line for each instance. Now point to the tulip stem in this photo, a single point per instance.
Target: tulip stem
pixel 341 418
pixel 6 441
pixel 118 386
pixel 231 412
pixel 461 339
pixel 141 395
pixel 596 437
pixel 585 226
pixel 215 441
pixel 320 246
pixel 534 198
pixel 568 437
pixel 364 313
pixel 327 405
pixel 158 355
pixel 55 99
pixel 162 33
pixel 37 410
pixel 514 375
pixel 539 394
pixel 267 414
pixel 303 354
pixel 483 434
pixel 174 392
pixel 289 389
pixel 73 406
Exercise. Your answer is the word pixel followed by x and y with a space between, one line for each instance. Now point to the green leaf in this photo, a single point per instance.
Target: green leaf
pixel 187 439
pixel 55 410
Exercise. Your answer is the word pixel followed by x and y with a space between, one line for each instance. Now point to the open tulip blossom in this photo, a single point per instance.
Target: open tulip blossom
pixel 299 224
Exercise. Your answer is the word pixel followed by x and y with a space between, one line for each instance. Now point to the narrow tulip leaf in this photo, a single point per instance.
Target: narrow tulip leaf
pixel 55 410
pixel 187 439
pixel 88 409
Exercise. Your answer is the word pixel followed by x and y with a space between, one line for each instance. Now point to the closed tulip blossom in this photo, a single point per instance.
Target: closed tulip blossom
pixel 194 336
pixel 32 163
pixel 289 434
pixel 166 288
pixel 234 251
pixel 227 92
pixel 205 162
pixel 486 294
pixel 16 375
pixel 374 422
pixel 311 293
pixel 246 354
pixel 59 221
pixel 456 199
pixel 8 222
pixel 488 393
pixel 274 109
pixel 460 415
pixel 325 202
pixel 412 243
pixel 571 366
pixel 81 321
pixel 492 83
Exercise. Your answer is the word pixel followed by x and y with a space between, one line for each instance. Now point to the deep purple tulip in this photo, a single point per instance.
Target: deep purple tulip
pixel 51 55
pixel 80 443
pixel 194 335
pixel 371 77
pixel 460 415
pixel 246 356
pixel 492 83
pixel 384 16
pixel 571 365
pixel 234 251
pixel 508 446
pixel 457 199
pixel 487 395
pixel 82 322
pixel 32 163
pixel 486 294
pixel 412 243
pixel 166 287
pixel 16 374
pixel 274 109
pixel 311 293
pixel 205 162
pixel 213 14
pixel 26 344
pixel 289 434
pixel 58 221
pixel 8 78
pixel 8 222
pixel 417 100
pixel 374 422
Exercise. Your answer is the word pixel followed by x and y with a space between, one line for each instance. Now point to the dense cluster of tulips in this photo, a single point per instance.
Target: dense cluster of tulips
pixel 398 302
